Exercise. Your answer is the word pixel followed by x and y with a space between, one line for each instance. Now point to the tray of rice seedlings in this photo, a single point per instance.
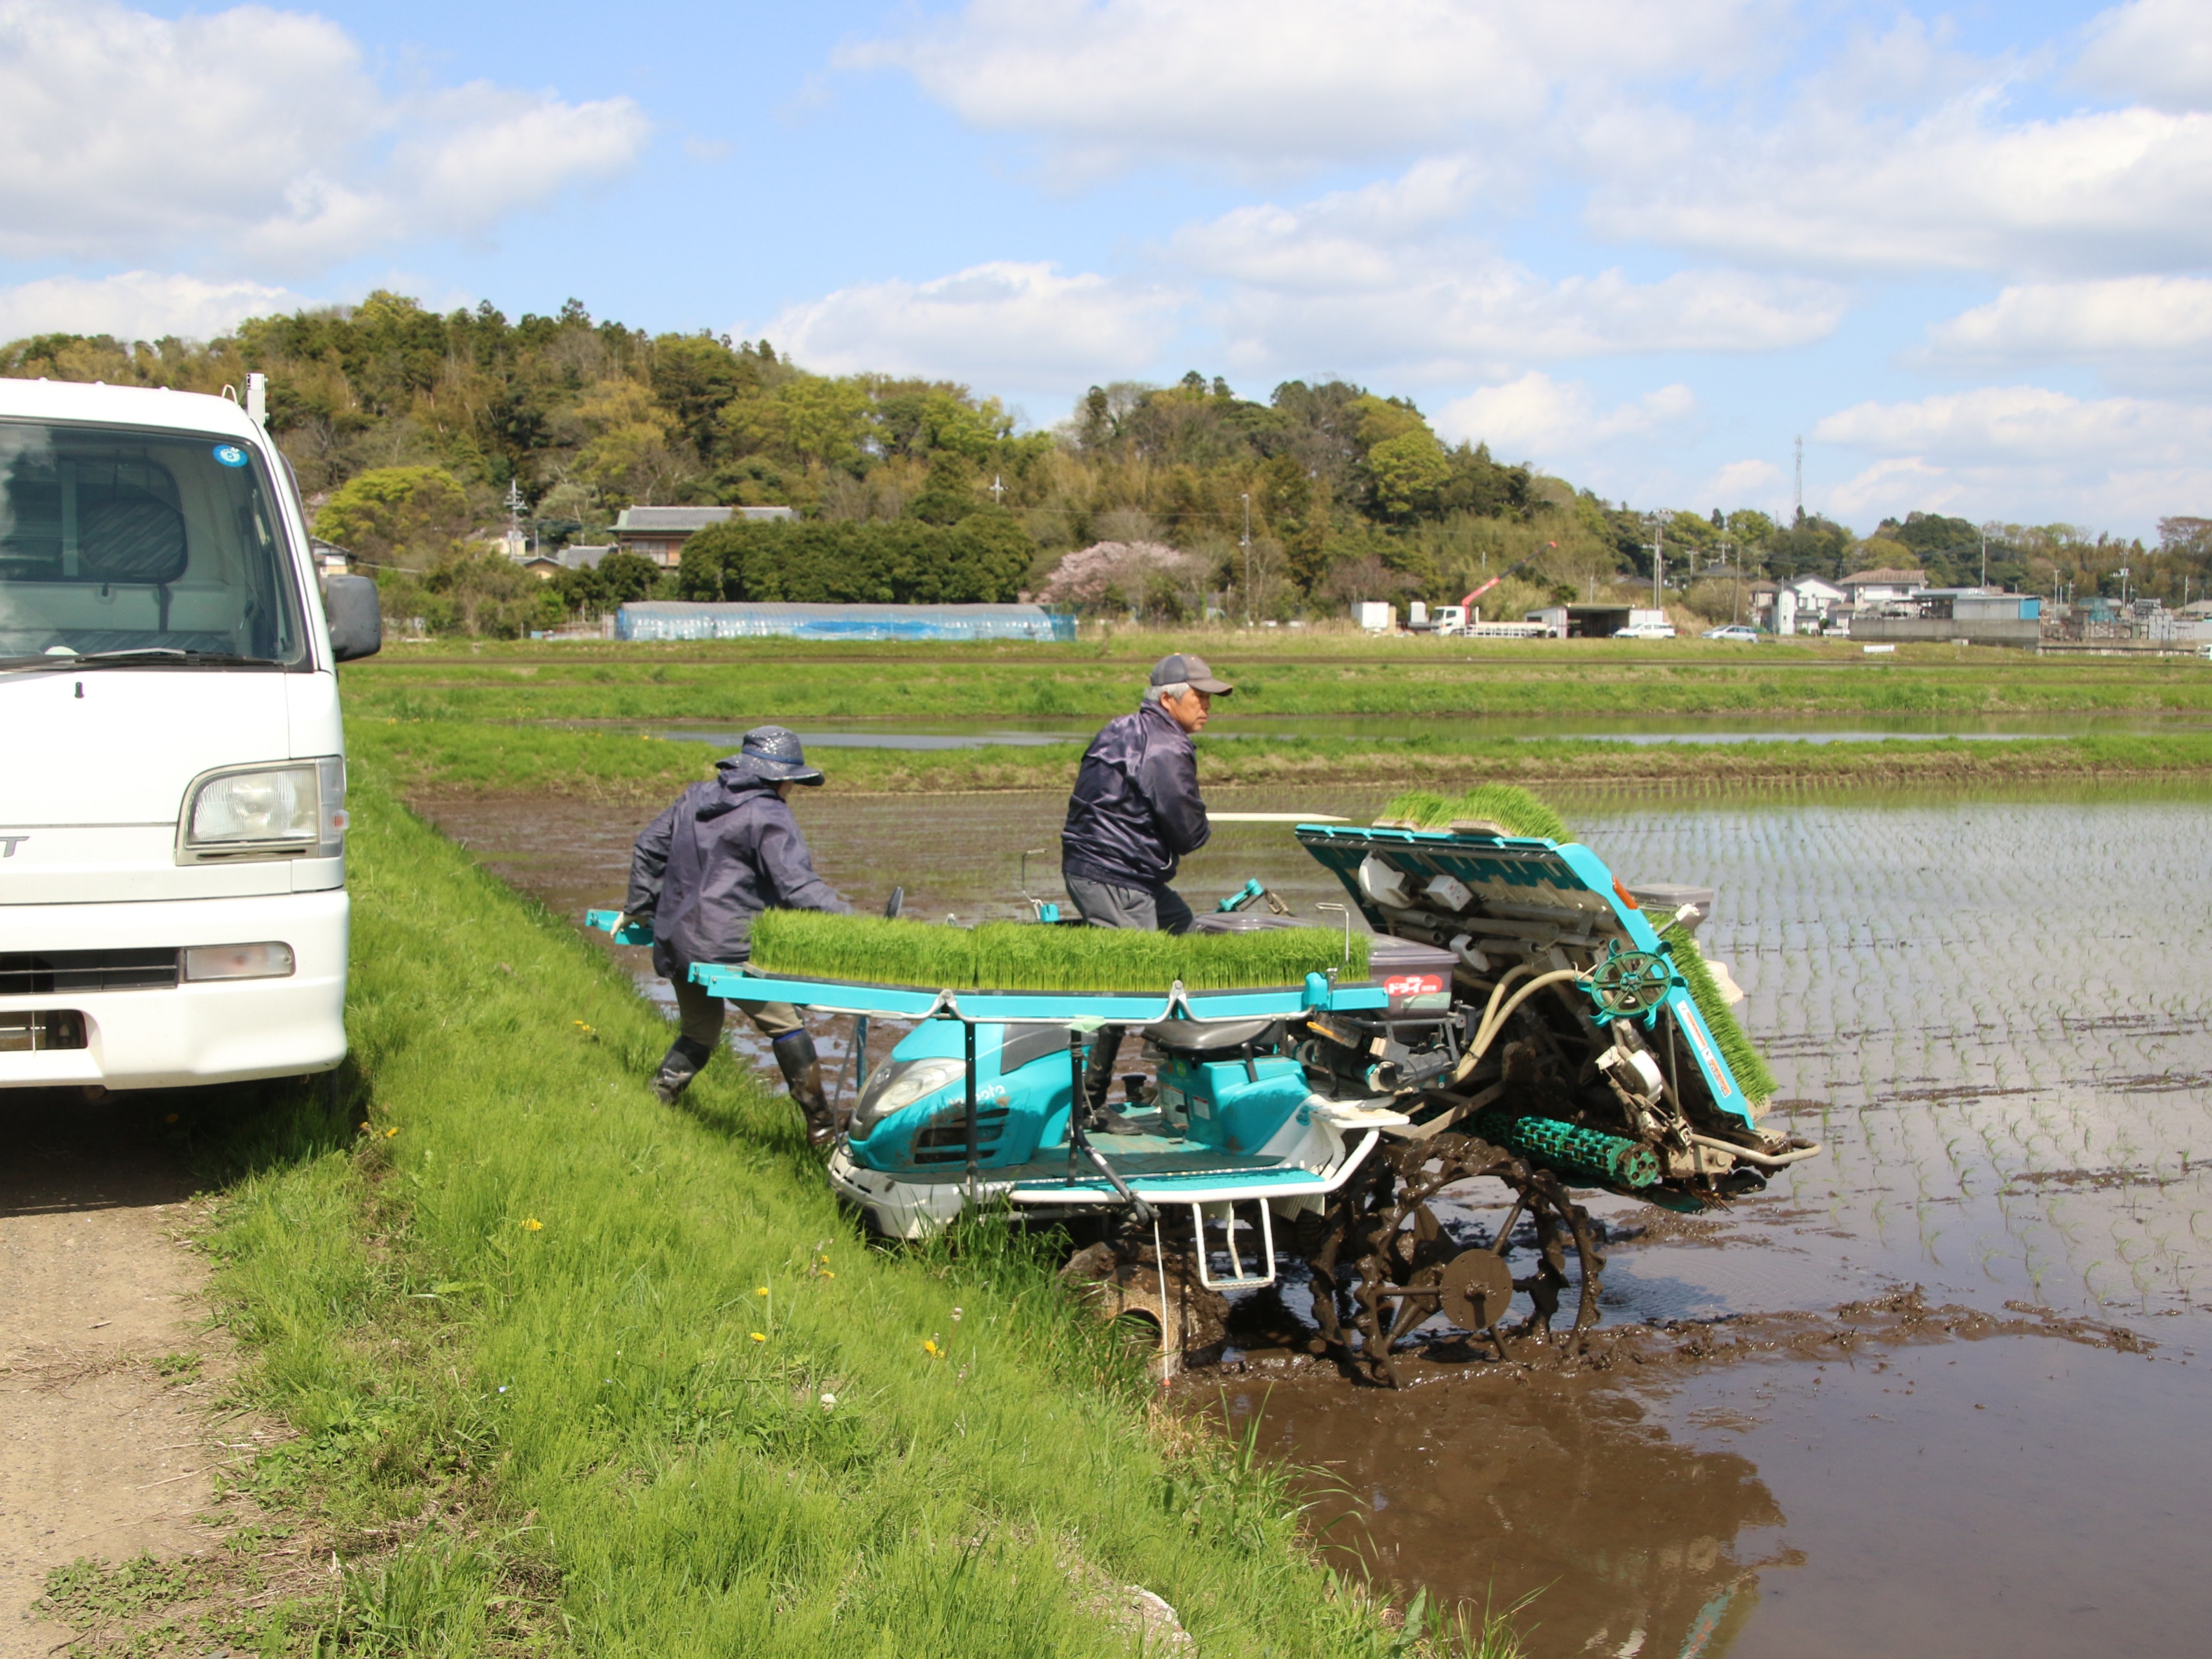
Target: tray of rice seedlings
pixel 1506 808
pixel 1013 955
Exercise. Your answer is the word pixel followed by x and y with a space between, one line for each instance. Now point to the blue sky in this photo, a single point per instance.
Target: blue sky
pixel 1643 245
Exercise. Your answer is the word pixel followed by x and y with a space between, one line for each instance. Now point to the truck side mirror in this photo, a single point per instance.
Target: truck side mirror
pixel 356 616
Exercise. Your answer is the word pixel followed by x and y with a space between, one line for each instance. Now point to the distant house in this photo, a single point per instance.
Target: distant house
pixel 1874 587
pixel 544 566
pixel 658 533
pixel 584 555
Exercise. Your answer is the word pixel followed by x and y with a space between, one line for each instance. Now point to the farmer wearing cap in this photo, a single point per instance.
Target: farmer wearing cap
pixel 1134 814
pixel 724 853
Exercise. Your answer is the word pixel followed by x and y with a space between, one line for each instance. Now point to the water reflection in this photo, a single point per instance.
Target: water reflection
pixel 1489 1491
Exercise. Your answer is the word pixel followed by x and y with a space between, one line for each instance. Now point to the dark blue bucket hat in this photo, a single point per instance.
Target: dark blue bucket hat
pixel 773 752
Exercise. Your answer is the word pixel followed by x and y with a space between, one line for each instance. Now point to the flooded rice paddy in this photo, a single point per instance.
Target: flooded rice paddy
pixel 1937 1392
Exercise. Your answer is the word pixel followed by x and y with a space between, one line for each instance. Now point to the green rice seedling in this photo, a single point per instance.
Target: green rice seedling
pixel 1011 956
pixel 1743 1059
pixel 1508 803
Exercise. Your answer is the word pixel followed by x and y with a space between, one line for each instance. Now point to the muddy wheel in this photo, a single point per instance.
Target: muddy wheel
pixel 1385 1265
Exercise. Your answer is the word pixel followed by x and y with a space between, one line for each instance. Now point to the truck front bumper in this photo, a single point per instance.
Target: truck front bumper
pixel 217 1031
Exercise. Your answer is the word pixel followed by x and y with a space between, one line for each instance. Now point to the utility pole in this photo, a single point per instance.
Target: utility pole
pixel 1247 499
pixel 998 490
pixel 514 519
pixel 1658 545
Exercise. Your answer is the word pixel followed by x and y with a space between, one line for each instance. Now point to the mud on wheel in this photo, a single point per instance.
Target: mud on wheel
pixel 1384 1264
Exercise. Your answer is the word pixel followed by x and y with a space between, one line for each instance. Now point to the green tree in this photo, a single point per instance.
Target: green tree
pixel 405 515
pixel 1406 471
pixel 693 377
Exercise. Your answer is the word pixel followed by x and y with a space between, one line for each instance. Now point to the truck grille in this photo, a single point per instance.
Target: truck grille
pixel 49 973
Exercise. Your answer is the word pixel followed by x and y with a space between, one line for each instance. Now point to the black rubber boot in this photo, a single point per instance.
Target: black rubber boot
pixel 1098 1082
pixel 678 1067
pixel 802 1071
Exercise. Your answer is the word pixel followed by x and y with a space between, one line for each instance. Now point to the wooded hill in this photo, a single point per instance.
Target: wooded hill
pixel 407 427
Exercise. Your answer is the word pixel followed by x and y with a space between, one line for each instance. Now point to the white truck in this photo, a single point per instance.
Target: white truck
pixel 172 904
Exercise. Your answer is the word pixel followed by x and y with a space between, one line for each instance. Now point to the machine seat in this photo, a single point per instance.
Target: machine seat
pixel 1194 1036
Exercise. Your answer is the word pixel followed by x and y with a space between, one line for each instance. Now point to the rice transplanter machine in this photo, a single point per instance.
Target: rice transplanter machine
pixel 1522 1031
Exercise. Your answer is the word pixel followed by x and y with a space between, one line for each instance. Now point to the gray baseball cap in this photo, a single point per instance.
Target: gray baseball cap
pixel 1183 668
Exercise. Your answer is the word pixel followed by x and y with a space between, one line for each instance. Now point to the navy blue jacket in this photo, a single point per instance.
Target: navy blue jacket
pixel 724 853
pixel 1135 810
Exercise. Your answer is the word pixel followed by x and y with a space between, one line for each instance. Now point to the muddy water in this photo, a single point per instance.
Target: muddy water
pixel 1999 1020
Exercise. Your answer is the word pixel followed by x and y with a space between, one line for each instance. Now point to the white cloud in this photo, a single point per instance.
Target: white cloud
pixel 1270 83
pixel 1891 489
pixel 2149 327
pixel 2100 190
pixel 2025 452
pixel 136 305
pixel 1739 484
pixel 256 137
pixel 1900 153
pixel 1547 421
pixel 2159 51
pixel 1011 324
pixel 1383 276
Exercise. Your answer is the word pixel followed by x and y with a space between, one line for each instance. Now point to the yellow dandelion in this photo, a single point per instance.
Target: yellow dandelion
pixel 826 1274
pixel 761 1291
pixel 530 1224
pixel 580 1026
pixel 388 1133
pixel 929 1347
pixel 758 1337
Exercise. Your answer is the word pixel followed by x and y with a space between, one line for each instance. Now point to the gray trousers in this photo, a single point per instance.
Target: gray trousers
pixel 701 1015
pixel 1148 909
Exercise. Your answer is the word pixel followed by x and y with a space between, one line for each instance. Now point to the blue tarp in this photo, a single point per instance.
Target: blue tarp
pixel 675 619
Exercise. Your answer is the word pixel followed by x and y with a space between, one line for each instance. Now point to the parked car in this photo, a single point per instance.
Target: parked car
pixel 1646 631
pixel 1733 631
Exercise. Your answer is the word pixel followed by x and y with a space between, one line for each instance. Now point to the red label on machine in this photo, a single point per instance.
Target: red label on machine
pixel 1414 985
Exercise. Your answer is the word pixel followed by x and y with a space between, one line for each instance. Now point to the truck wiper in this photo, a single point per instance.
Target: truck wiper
pixel 147 654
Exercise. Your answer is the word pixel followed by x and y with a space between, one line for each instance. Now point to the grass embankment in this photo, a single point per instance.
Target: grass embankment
pixel 739 683
pixel 574 1372
pixel 428 756
pixel 1017 956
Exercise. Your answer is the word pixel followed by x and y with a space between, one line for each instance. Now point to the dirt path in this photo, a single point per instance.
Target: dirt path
pixel 104 1449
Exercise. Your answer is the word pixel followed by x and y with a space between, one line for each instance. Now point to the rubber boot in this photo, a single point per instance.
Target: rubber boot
pixel 1098 1082
pixel 802 1071
pixel 678 1067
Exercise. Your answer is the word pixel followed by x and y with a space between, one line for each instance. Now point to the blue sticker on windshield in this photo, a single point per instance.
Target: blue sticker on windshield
pixel 230 454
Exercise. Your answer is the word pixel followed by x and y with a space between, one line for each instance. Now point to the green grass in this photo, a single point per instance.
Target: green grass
pixel 1505 804
pixel 570 1372
pixel 739 683
pixel 1743 1057
pixel 429 756
pixel 1007 955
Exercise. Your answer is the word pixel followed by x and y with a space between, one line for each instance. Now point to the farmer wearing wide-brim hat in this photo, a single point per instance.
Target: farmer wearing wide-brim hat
pixel 724 853
pixel 1134 812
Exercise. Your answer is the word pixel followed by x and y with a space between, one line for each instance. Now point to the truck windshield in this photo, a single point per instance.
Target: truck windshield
pixel 155 546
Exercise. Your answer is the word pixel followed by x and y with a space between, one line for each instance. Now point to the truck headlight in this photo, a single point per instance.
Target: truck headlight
pixel 894 1087
pixel 292 809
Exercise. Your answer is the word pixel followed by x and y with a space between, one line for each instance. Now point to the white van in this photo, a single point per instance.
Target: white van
pixel 173 904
